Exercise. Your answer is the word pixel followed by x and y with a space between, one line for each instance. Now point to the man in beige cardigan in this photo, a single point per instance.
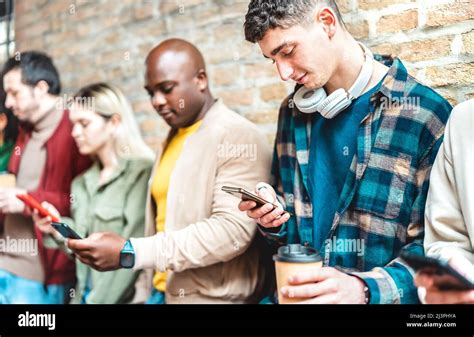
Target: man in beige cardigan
pixel 207 247
pixel 450 207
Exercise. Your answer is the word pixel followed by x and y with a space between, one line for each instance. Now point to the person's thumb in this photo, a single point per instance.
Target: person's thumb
pixel 266 192
pixel 463 266
pixel 422 294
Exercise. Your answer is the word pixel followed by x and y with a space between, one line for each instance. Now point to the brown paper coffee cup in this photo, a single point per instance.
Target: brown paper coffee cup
pixel 290 260
pixel 7 180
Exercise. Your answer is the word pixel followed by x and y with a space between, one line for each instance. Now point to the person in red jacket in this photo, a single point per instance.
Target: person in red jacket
pixel 45 160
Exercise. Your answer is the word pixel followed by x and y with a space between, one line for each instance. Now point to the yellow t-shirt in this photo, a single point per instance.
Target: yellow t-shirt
pixel 159 187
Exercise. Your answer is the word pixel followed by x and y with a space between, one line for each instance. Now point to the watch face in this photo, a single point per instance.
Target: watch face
pixel 127 260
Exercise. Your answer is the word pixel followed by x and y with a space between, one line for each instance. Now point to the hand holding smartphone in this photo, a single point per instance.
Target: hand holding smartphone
pixel 34 204
pixel 245 195
pixel 445 276
pixel 66 231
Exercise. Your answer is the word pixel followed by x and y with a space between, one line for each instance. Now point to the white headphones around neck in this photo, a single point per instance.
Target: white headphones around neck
pixel 312 100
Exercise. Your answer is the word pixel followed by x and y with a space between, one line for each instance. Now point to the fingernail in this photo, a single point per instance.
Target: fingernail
pixel 471 297
pixel 284 291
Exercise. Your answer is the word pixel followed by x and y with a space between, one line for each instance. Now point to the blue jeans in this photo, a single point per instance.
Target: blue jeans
pixel 18 290
pixel 156 297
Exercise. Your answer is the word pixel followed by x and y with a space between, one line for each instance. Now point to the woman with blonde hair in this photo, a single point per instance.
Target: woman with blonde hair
pixel 110 196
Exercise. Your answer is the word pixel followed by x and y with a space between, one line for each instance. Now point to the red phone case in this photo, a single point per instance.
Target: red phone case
pixel 30 201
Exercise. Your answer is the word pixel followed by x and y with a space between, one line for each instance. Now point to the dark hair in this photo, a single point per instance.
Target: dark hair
pixel 263 15
pixel 11 130
pixel 35 67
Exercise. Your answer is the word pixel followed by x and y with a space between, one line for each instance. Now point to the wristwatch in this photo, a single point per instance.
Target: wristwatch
pixel 367 295
pixel 127 256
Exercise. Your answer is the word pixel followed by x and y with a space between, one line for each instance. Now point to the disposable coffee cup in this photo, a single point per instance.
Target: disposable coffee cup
pixel 290 260
pixel 7 180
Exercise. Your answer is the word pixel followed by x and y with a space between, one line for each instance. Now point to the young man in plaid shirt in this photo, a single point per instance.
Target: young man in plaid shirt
pixel 355 174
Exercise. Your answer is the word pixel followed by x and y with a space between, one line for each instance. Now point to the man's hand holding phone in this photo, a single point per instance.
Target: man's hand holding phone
pixel 268 215
pixel 44 223
pixel 9 203
pixel 429 289
pixel 101 250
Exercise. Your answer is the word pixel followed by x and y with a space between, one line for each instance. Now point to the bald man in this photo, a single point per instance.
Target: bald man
pixel 199 244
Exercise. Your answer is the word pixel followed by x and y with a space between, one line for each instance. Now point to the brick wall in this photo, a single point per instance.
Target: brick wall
pixel 107 40
pixel 435 39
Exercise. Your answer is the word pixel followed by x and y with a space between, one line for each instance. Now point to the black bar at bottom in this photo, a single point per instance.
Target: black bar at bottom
pixel 237 320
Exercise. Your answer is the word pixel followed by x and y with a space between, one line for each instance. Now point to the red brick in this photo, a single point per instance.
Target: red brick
pixel 449 13
pixel 406 20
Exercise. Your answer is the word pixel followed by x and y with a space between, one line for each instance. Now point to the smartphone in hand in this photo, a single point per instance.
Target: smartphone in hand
pixel 34 204
pixel 445 276
pixel 245 195
pixel 66 231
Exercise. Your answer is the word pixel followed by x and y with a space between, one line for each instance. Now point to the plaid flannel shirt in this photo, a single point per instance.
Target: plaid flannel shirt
pixel 381 206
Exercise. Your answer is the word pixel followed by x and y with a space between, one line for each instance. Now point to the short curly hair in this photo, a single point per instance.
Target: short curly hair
pixel 263 15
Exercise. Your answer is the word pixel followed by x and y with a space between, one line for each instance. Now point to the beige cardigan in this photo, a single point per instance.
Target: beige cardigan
pixel 450 204
pixel 207 245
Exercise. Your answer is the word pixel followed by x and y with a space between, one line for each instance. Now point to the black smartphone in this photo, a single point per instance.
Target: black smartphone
pixel 445 276
pixel 245 195
pixel 66 231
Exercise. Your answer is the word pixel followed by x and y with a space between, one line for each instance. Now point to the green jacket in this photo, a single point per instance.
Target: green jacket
pixel 116 206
